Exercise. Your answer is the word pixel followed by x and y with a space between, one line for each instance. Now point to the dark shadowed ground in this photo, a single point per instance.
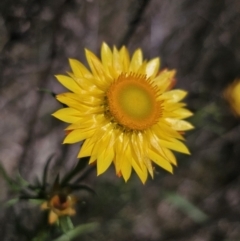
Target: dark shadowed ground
pixel 200 39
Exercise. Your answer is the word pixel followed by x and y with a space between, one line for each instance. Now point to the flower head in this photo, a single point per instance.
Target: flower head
pixel 59 205
pixel 124 111
pixel 232 95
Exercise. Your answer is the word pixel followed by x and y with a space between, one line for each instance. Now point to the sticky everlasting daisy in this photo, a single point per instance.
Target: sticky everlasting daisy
pixel 59 205
pixel 232 95
pixel 124 111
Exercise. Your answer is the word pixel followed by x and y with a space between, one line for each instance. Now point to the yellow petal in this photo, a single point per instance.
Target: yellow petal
pixel 167 154
pixel 100 134
pixel 52 218
pixel 125 59
pixel 124 156
pixel 165 131
pixel 82 123
pixel 152 67
pixel 106 56
pixel 102 139
pixel 124 138
pixel 182 113
pixel 179 125
pixel 120 147
pixel 68 211
pixel 86 149
pixel 95 65
pixel 231 94
pixel 86 83
pixel 126 169
pixel 142 173
pixel 78 102
pixel 69 83
pixel 116 162
pixel 169 107
pixel 68 98
pixel 105 160
pixel 137 149
pixel 142 69
pixel 87 122
pixel 170 156
pixel 148 164
pixel 92 159
pixel 136 61
pixel 68 115
pixel 175 145
pixel 164 79
pixel 44 206
pixel 159 160
pixel 117 64
pixel 174 95
pixel 71 211
pixel 90 100
pixel 78 69
pixel 78 135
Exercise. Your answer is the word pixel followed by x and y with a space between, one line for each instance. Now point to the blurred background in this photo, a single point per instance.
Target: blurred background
pixel 200 39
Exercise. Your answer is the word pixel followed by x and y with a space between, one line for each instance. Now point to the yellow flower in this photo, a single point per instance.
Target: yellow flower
pixel 232 95
pixel 123 110
pixel 59 205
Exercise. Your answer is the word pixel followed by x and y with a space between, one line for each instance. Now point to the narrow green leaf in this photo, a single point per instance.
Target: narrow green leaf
pixel 11 202
pixel 45 171
pixel 11 183
pixel 41 236
pixel 186 207
pixel 36 201
pixel 82 162
pixel 21 180
pixel 81 187
pixel 66 224
pixel 5 175
pixel 77 231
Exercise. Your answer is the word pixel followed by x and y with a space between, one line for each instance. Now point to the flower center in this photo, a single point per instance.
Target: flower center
pixel 132 102
pixel 59 202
